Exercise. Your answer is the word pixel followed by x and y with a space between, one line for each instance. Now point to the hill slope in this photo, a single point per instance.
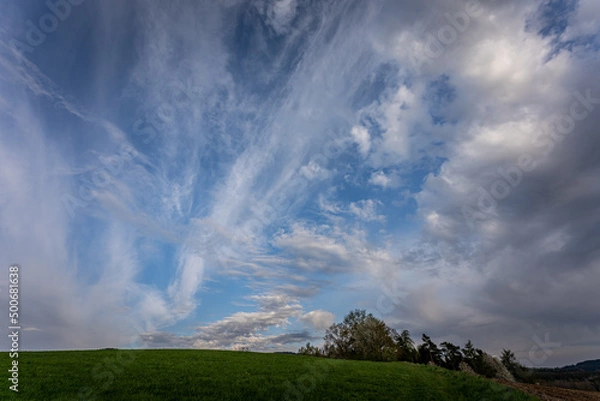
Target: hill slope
pixel 222 375
pixel 586 366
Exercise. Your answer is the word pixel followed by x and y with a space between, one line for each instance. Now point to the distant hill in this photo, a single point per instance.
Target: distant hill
pixel 586 366
pixel 581 376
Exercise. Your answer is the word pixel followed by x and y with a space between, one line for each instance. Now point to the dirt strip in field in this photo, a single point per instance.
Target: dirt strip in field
pixel 549 393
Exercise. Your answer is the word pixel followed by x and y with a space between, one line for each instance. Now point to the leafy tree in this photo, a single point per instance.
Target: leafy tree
pixel 474 357
pixel 338 341
pixel 519 371
pixel 310 350
pixel 360 336
pixel 429 351
pixel 451 355
pixel 483 364
pixel 508 359
pixel 405 347
pixel 469 353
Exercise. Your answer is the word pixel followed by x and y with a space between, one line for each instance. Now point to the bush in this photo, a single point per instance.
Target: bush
pixel 310 350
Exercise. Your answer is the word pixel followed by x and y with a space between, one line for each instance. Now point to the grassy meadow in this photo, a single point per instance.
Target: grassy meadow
pixel 153 375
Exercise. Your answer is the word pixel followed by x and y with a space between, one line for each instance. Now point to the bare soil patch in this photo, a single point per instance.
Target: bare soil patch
pixel 549 393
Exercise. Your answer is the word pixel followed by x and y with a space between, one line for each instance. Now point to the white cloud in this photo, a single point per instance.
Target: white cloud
pixel 318 319
pixel 379 178
pixel 313 250
pixel 362 138
pixel 585 21
pixel 242 329
pixel 187 282
pixel 366 210
pixel 508 93
pixel 328 206
pixel 313 171
pixel 279 14
pixel 336 248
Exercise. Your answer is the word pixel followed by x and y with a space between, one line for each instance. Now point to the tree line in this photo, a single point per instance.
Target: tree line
pixel 362 336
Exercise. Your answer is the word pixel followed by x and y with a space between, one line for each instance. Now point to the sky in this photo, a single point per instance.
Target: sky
pixel 243 173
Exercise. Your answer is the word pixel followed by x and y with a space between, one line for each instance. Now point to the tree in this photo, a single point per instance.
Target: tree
pixel 474 358
pixel 451 356
pixel 469 353
pixel 479 361
pixel 429 351
pixel 519 371
pixel 508 359
pixel 405 347
pixel 310 350
pixel 360 336
pixel 338 341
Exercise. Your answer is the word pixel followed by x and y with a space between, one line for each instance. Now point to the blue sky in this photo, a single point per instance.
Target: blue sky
pixel 243 173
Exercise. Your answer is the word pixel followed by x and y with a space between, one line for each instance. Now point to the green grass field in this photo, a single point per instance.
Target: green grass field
pixel 148 375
